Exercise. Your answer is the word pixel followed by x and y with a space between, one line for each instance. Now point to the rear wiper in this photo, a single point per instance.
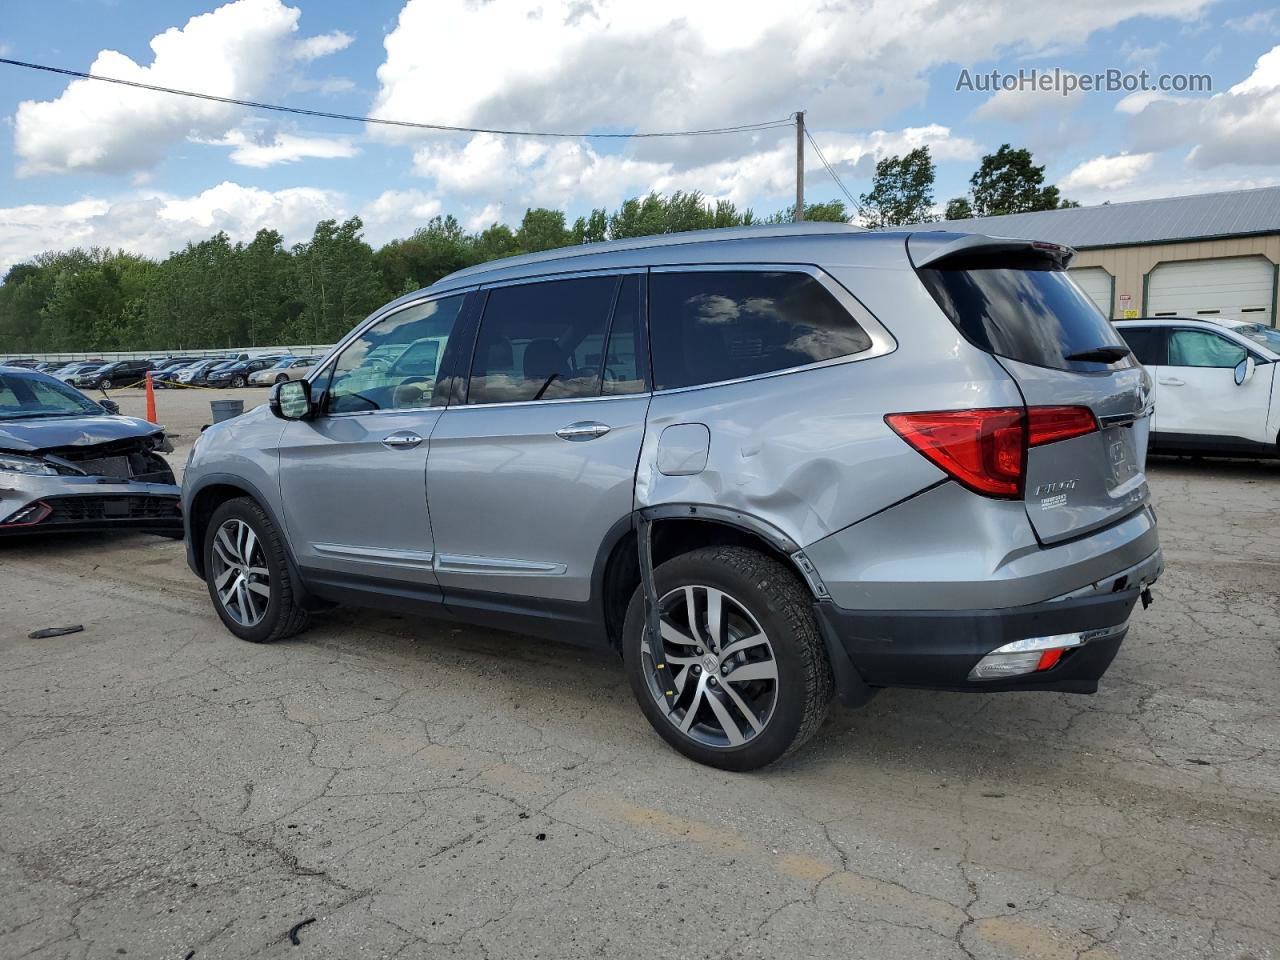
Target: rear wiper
pixel 1101 354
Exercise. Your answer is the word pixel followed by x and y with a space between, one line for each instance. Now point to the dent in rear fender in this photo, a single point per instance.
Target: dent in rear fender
pixel 950 549
pixel 809 452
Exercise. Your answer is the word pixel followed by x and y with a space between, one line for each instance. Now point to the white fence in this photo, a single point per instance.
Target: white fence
pixel 298 349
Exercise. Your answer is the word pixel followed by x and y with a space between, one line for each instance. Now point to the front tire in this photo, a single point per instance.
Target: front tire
pixel 105 385
pixel 741 677
pixel 247 574
pixel 282 379
pixel 237 382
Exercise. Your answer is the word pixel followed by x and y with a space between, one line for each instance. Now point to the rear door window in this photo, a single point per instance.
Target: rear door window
pixel 709 326
pixel 1036 316
pixel 542 340
pixel 1147 344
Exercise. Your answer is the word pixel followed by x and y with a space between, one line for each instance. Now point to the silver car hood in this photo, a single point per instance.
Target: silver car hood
pixel 24 435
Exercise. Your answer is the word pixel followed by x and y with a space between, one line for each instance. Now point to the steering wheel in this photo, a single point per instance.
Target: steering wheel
pixel 411 392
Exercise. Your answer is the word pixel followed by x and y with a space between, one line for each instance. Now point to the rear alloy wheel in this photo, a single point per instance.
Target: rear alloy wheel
pixel 248 575
pixel 739 675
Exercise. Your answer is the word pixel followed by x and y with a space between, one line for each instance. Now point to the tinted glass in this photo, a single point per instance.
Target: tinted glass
pixel 624 371
pixel 391 366
pixel 1192 348
pixel 1034 316
pixel 1147 344
pixel 709 326
pixel 542 340
pixel 37 397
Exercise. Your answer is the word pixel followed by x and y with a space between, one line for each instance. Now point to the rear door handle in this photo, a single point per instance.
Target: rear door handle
pixel 405 440
pixel 1172 382
pixel 583 430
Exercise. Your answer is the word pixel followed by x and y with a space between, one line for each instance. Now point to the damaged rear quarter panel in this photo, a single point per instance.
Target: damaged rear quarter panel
pixel 808 451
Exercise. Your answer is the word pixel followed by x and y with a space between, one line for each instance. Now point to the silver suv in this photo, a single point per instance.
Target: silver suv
pixel 769 466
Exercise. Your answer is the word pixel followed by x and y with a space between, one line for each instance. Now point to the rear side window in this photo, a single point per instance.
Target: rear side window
pixel 1036 316
pixel 709 326
pixel 542 341
pixel 1147 344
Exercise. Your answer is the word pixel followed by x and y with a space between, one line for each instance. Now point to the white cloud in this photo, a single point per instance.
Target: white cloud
pixel 1108 173
pixel 397 213
pixel 313 48
pixel 515 173
pixel 1257 22
pixel 1021 106
pixel 156 223
pixel 1240 126
pixel 232 51
pixel 250 151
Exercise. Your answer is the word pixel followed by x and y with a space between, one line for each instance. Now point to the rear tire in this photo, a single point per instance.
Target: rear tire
pixel 756 593
pixel 247 574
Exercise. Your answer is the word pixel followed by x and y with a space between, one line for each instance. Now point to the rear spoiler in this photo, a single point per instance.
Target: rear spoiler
pixel 975 252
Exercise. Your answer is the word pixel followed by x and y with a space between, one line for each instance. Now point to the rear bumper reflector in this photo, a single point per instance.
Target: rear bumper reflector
pixel 1034 654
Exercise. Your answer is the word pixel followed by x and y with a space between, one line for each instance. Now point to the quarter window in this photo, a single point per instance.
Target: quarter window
pixel 392 365
pixel 542 341
pixel 623 370
pixel 710 326
pixel 1194 348
pixel 1147 344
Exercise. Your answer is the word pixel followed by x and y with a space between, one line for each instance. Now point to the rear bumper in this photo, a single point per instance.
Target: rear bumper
pixel 936 649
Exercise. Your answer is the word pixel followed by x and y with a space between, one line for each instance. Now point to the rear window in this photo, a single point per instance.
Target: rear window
pixel 1036 316
pixel 1147 344
pixel 709 326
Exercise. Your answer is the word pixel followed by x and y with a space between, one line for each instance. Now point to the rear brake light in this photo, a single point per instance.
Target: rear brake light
pixel 1051 424
pixel 986 449
pixel 983 449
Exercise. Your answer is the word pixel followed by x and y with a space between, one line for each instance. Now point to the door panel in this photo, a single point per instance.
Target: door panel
pixel 353 503
pixel 1197 393
pixel 518 509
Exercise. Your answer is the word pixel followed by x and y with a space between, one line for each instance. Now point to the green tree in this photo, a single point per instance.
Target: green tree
pixel 542 229
pixel 1007 181
pixel 958 208
pixel 830 211
pixel 901 191
pixel 336 280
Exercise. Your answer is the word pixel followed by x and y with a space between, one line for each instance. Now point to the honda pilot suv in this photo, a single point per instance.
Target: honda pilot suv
pixel 771 466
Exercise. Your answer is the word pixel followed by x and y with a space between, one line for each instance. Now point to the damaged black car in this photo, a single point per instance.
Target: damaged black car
pixel 69 464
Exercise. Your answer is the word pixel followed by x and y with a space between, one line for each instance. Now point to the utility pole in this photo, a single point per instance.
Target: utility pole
pixel 799 166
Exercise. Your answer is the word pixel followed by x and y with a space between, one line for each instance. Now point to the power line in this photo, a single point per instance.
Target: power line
pixel 834 177
pixel 443 127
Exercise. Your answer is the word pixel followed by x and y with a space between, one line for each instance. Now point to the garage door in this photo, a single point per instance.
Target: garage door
pixel 1240 288
pixel 1096 282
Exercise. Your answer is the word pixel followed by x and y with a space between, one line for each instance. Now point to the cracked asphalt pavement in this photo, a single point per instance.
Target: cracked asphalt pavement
pixel 428 791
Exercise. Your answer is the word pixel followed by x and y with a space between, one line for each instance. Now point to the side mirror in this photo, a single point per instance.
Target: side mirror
pixel 109 405
pixel 1244 370
pixel 291 400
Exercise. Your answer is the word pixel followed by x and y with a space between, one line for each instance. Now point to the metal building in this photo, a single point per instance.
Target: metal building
pixel 1209 255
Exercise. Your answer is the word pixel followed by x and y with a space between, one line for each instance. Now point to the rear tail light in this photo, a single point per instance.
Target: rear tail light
pixel 986 449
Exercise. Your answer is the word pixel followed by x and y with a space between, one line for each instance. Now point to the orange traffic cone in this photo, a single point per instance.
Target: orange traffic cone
pixel 151 400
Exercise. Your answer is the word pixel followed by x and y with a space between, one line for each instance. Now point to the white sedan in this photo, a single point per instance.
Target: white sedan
pixel 1216 386
pixel 289 368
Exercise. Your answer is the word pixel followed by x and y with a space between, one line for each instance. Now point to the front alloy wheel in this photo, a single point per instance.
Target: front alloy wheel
pixel 238 382
pixel 240 573
pixel 247 571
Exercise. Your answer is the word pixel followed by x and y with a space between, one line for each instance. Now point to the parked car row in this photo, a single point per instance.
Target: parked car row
pixel 240 370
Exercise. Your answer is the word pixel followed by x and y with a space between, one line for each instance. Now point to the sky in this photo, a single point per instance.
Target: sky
pixel 87 163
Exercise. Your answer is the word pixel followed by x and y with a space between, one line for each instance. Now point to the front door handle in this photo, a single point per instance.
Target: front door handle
pixel 1172 382
pixel 583 430
pixel 406 440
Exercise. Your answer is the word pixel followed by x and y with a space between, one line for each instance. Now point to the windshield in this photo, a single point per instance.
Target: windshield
pixel 31 396
pixel 1268 337
pixel 282 363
